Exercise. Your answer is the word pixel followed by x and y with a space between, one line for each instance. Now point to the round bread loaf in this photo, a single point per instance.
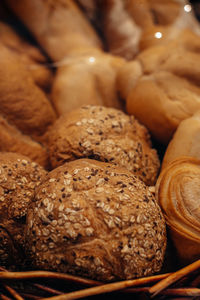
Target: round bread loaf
pixel 104 134
pixel 18 178
pixel 96 220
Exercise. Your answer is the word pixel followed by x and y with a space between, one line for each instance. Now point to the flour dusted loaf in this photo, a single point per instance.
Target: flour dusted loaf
pixel 18 178
pixel 104 134
pixel 96 220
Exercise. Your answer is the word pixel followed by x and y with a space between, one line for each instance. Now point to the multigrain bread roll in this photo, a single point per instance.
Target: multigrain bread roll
pixel 162 87
pixel 105 134
pixel 30 55
pixel 185 141
pixel 12 140
pixel 22 103
pixel 95 220
pixel 18 178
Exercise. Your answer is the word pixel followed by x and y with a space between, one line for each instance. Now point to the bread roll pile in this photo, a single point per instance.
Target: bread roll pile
pixel 91 95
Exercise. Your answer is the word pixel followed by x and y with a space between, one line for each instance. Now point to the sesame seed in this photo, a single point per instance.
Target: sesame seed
pixel 84 121
pixel 67 175
pixel 52 180
pixel 140 230
pixel 67 182
pixel 54 223
pixel 132 219
pixel 33 164
pixel 86 144
pixel 89 231
pixel 99 190
pixel 61 207
pixel 90 131
pixel 76 171
pixel 100 181
pixel 152 189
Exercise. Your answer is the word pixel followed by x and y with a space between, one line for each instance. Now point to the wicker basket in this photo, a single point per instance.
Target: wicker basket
pixel 181 284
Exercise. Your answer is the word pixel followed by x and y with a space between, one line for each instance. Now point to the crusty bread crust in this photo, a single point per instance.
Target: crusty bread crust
pixel 22 103
pixel 95 220
pixel 18 177
pixel 105 134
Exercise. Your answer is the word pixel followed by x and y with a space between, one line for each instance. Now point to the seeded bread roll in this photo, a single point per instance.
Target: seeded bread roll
pixel 96 220
pixel 104 134
pixel 18 178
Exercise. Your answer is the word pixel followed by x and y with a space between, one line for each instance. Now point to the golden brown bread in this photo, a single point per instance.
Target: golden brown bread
pixel 12 140
pixel 75 47
pixel 148 13
pixel 86 77
pixel 58 26
pixel 18 178
pixel 163 87
pixel 22 103
pixel 185 141
pixel 105 134
pixel 90 9
pixel 95 220
pixel 121 32
pixel 30 55
pixel 177 192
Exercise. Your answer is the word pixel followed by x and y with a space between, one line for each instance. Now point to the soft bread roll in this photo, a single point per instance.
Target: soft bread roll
pixel 58 26
pixel 91 10
pixel 86 77
pixel 18 178
pixel 171 20
pixel 177 192
pixel 12 140
pixel 185 142
pixel 130 26
pixel 159 35
pixel 120 30
pixel 22 103
pixel 95 220
pixel 105 134
pixel 166 92
pixel 30 55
